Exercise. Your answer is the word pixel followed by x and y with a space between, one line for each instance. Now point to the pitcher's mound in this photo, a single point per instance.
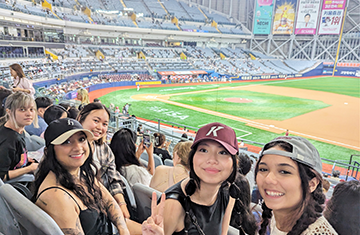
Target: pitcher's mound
pixel 238 100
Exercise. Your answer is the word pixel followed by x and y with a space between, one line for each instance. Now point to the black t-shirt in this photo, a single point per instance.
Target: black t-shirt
pixel 209 218
pixel 164 154
pixel 13 153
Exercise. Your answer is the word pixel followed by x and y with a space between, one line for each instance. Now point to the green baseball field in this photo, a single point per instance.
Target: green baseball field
pixel 323 109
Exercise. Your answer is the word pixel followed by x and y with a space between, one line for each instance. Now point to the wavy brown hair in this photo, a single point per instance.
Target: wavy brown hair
pixel 91 197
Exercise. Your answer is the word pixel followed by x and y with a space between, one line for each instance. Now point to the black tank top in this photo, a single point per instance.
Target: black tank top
pixel 209 218
pixel 92 222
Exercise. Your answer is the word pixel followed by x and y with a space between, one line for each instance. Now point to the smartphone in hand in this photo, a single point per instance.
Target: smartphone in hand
pixel 146 139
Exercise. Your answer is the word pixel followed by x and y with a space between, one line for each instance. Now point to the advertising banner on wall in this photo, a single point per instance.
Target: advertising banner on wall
pixel 331 16
pixel 263 16
pixel 284 16
pixel 307 16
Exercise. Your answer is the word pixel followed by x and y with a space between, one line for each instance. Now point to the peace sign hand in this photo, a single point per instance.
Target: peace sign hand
pixel 154 224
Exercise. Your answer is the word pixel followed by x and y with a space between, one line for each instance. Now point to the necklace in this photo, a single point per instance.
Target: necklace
pixel 181 166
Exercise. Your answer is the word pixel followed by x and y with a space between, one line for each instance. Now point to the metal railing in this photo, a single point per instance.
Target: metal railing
pixel 345 169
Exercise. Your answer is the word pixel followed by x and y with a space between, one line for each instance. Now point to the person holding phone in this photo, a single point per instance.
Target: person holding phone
pixel 127 157
pixel 147 140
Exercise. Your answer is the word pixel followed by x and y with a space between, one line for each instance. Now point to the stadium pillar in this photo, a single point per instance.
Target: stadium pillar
pixel 313 50
pixel 292 38
pixel 269 43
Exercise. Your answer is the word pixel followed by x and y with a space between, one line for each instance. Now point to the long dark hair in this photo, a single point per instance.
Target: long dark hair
pixel 65 179
pixel 85 111
pixel 310 208
pixel 4 93
pixel 242 217
pixel 343 209
pixel 124 149
pixel 227 185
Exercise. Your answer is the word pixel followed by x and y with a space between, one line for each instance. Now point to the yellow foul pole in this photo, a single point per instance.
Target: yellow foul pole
pixel 338 49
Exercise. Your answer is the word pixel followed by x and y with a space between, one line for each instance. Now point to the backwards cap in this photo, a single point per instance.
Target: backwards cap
pixel 303 152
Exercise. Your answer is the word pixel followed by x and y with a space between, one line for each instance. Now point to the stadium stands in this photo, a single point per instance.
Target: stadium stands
pixel 154 14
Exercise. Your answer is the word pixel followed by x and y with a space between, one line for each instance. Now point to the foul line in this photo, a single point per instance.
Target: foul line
pixel 231 117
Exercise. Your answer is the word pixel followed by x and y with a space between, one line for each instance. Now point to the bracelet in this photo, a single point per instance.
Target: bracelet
pixel 122 203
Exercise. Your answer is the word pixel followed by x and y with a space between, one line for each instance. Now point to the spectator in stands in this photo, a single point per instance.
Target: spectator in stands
pixel 161 146
pixel 4 93
pixel 167 176
pixel 184 137
pixel 42 103
pixel 127 157
pixel 66 186
pixel 343 209
pixel 20 111
pixel 289 178
pixel 326 187
pixel 96 100
pixel 21 83
pixel 244 164
pixel 95 118
pixel 205 195
pixel 72 111
pixel 83 96
pixel 55 112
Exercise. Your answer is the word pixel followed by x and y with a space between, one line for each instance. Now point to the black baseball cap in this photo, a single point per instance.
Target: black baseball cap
pixel 60 130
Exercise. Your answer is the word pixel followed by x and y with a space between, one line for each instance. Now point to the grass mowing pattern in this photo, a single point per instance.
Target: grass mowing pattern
pixel 338 85
pixel 264 106
pixel 154 109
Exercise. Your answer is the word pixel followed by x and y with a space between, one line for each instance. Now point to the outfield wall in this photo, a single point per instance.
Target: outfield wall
pixel 326 69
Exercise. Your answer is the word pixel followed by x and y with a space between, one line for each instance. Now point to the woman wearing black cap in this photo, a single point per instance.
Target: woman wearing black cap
pixel 288 175
pixel 66 187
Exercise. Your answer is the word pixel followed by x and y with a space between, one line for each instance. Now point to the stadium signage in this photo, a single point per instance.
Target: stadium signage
pixel 284 16
pixel 166 73
pixel 307 16
pixel 263 16
pixel 331 17
pixel 275 76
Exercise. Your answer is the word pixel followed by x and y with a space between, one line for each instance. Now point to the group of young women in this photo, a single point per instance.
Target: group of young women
pixel 78 181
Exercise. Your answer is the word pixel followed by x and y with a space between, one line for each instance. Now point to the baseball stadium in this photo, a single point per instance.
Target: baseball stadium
pixel 264 68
